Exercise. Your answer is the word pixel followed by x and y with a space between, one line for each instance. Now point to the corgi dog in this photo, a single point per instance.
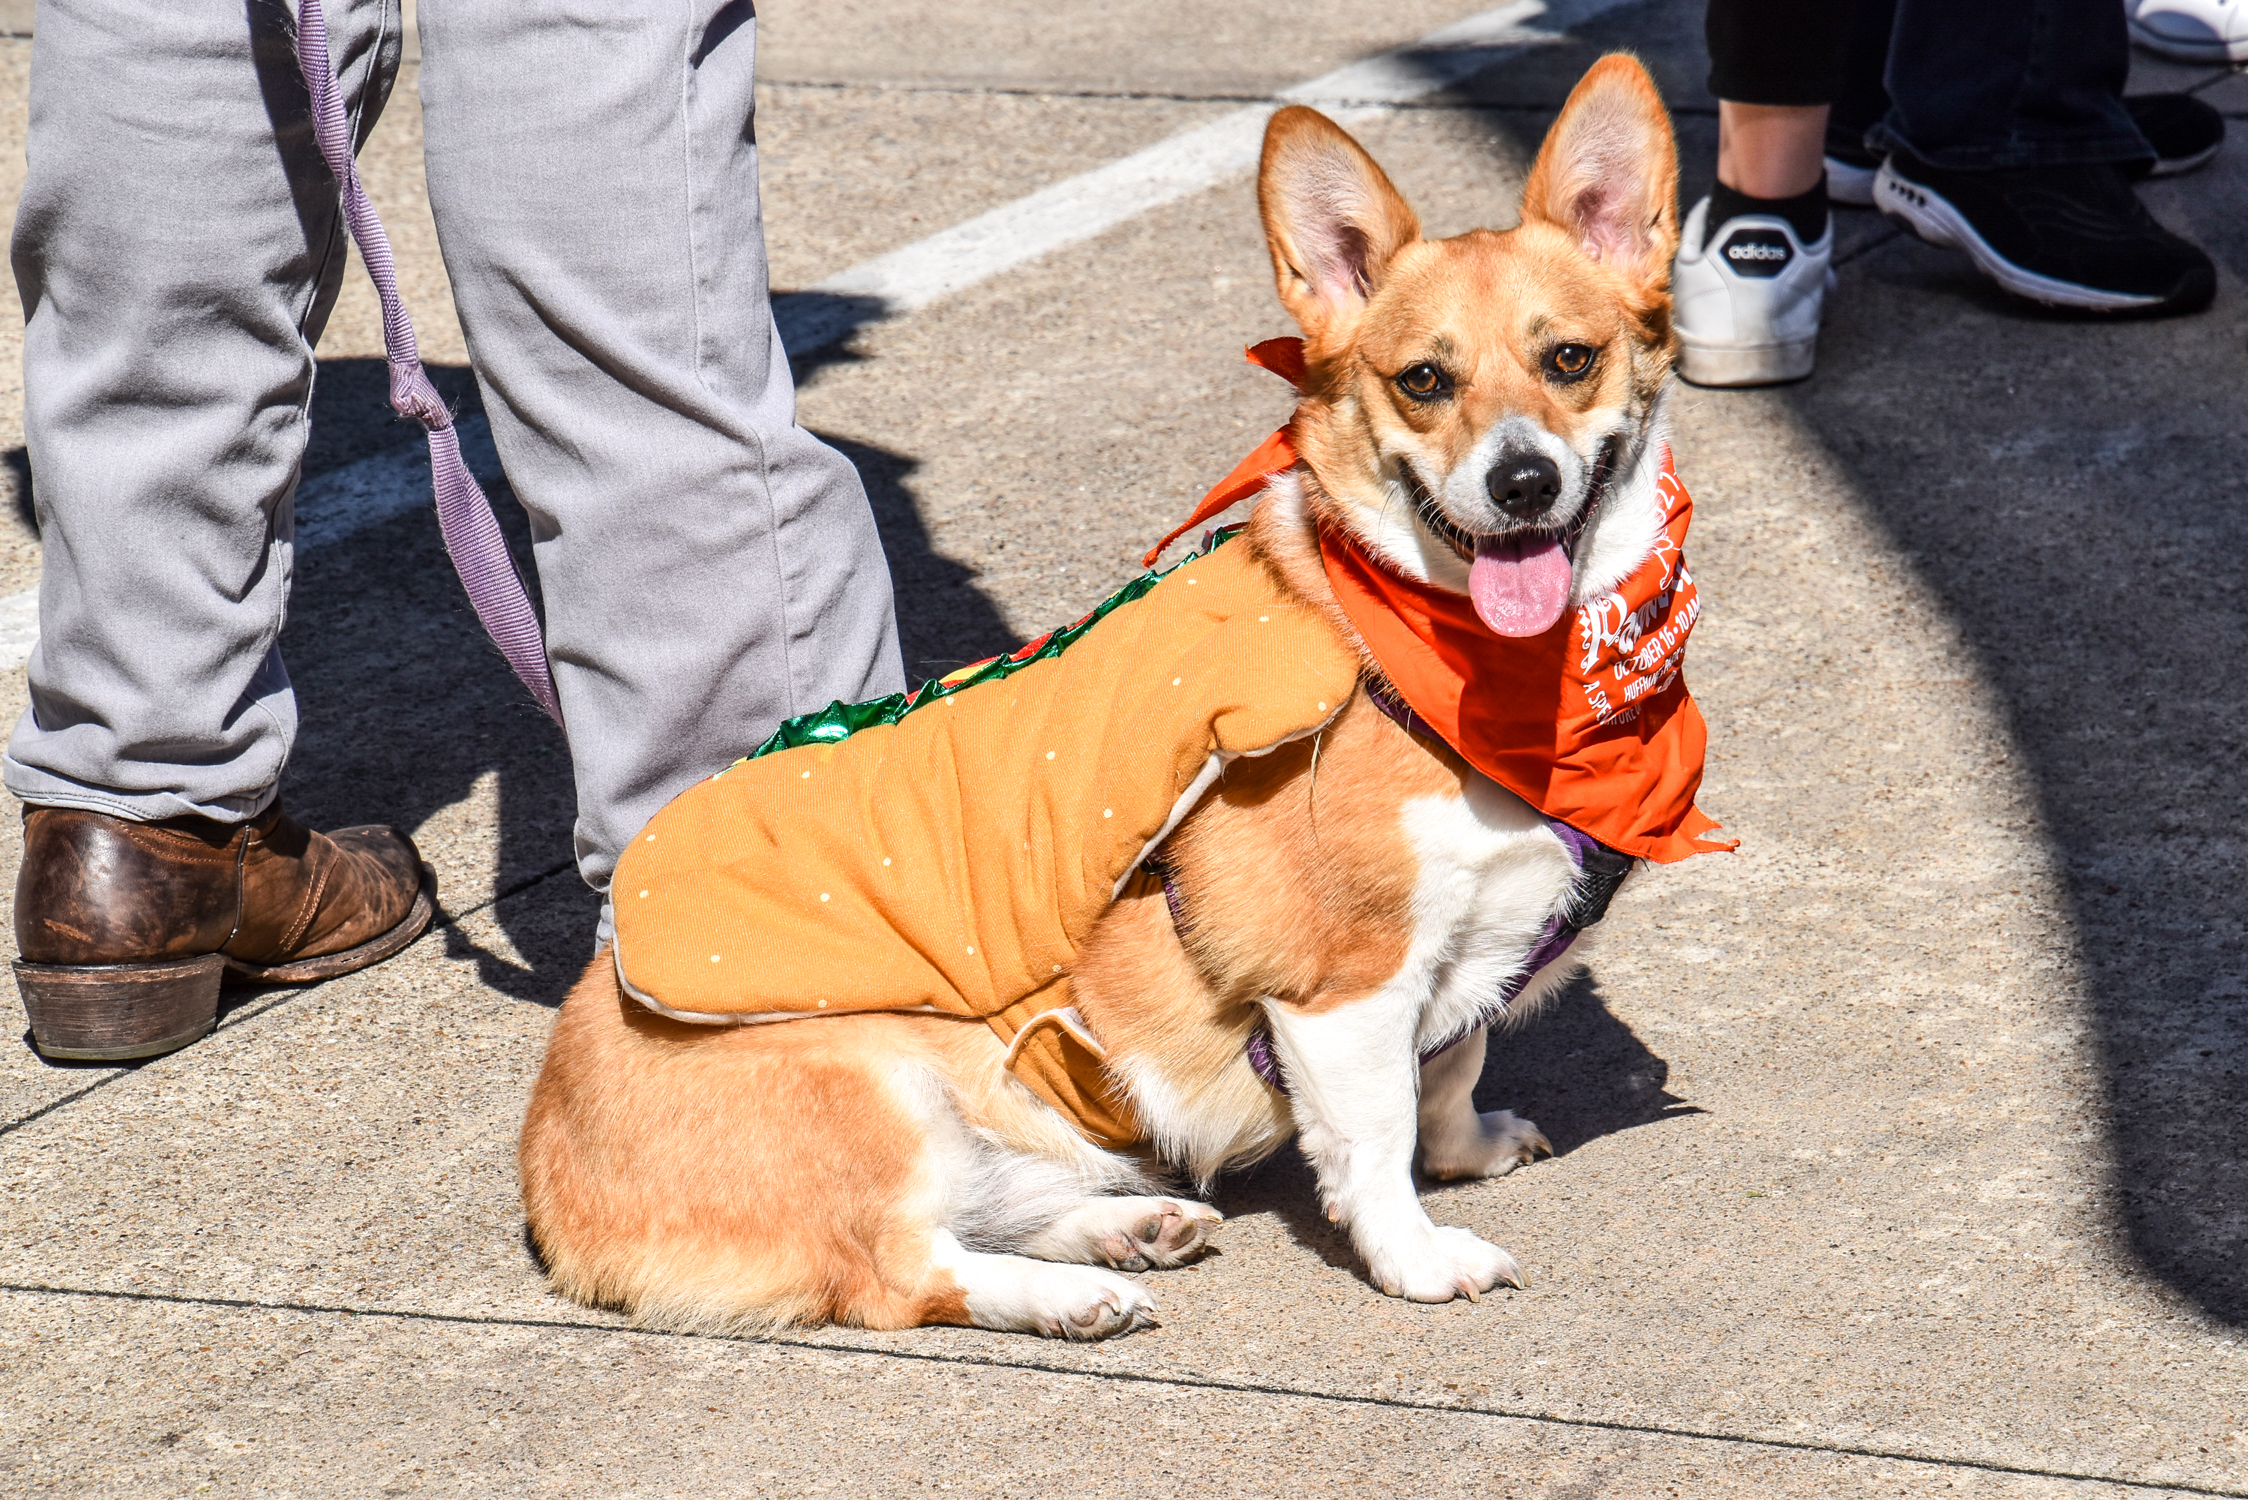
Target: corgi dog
pixel 1482 416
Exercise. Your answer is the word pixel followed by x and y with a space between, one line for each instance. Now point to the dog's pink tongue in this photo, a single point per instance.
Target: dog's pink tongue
pixel 1519 587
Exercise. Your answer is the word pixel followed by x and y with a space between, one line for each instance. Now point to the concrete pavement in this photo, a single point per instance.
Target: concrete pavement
pixel 1900 1154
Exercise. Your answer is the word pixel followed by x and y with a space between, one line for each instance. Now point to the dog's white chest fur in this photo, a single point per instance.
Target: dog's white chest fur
pixel 1491 875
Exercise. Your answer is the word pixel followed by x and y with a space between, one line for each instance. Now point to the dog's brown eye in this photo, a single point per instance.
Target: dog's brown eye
pixel 1424 383
pixel 1568 361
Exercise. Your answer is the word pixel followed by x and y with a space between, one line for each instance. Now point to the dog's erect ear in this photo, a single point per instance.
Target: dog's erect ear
pixel 1608 172
pixel 1330 215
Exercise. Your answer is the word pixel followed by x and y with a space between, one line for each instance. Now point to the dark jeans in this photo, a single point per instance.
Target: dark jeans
pixel 1981 84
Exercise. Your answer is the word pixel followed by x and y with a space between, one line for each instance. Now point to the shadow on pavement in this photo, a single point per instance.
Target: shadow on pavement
pixel 816 328
pixel 2076 492
pixel 944 620
pixel 1576 1070
pixel 17 461
pixel 2077 500
pixel 1573 1068
pixel 404 706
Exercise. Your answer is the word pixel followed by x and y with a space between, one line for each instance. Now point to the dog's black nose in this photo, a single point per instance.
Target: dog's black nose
pixel 1525 485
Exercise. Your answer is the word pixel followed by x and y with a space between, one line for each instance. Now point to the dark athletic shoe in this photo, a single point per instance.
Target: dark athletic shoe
pixel 2184 132
pixel 2074 236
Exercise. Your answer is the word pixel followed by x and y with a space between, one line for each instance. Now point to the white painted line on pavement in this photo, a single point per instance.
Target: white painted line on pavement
pixel 1078 208
pixel 345 501
pixel 330 507
pixel 19 628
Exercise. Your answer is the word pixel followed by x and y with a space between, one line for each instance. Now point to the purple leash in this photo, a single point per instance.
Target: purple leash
pixel 464 514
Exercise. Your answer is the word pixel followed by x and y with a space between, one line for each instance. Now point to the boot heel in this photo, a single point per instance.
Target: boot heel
pixel 116 1012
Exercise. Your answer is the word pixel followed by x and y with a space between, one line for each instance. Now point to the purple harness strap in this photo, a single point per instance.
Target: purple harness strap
pixel 464 514
pixel 1584 908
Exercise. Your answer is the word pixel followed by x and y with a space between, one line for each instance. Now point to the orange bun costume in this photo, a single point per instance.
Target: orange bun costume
pixel 947 852
pixel 951 856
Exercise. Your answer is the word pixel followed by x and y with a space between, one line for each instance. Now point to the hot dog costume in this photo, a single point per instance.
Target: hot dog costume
pixel 948 851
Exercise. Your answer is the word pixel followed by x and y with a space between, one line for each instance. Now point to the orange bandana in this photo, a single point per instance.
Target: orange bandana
pixel 1590 723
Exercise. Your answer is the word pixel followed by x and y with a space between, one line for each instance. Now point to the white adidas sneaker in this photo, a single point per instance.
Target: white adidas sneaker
pixel 1748 296
pixel 2193 31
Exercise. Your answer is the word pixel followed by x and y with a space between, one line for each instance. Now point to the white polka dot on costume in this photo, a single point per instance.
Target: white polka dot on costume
pixel 1177 680
pixel 971 949
pixel 823 895
pixel 885 859
pixel 1057 968
pixel 1108 812
pixel 823 1005
pixel 643 895
pixel 651 838
pixel 1322 708
pixel 714 958
pixel 1049 755
pixel 807 776
pixel 1264 619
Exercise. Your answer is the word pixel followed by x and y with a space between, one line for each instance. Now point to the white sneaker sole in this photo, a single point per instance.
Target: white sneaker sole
pixel 1753 364
pixel 1850 185
pixel 1936 221
pixel 2178 165
pixel 2179 49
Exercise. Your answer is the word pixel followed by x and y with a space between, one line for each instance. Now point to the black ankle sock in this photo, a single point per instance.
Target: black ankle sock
pixel 1806 211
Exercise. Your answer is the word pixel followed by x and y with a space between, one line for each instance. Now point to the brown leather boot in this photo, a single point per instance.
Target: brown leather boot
pixel 124 930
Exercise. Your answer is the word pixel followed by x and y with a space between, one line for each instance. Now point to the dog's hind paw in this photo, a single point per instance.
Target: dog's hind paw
pixel 1015 1294
pixel 1081 1303
pixel 1489 1145
pixel 1131 1234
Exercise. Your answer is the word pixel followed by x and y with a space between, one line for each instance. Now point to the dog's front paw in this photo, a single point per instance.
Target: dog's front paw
pixel 1489 1145
pixel 1444 1264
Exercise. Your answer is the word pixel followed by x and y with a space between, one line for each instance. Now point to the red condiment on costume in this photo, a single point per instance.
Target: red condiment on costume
pixel 1590 723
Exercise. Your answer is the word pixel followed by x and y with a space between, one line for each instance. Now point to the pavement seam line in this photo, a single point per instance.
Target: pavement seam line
pixel 1134 1377
pixel 450 920
pixel 454 918
pixel 1078 208
pixel 241 1015
pixel 444 919
pixel 72 1098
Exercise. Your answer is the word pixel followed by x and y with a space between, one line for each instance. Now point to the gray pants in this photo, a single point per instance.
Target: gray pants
pixel 708 567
